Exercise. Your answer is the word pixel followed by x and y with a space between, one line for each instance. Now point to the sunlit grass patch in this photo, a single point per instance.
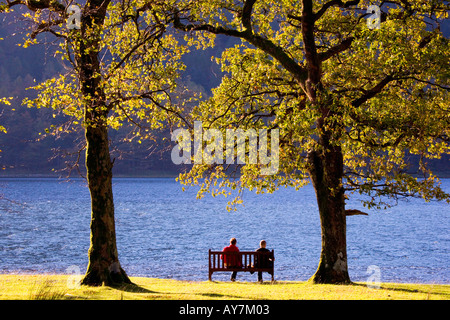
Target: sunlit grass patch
pixel 55 287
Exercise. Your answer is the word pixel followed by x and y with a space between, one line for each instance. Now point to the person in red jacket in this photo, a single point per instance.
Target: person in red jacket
pixel 232 261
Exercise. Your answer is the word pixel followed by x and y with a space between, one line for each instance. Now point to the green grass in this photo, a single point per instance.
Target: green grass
pixel 47 287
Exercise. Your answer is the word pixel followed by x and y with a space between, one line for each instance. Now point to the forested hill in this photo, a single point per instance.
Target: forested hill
pixel 24 151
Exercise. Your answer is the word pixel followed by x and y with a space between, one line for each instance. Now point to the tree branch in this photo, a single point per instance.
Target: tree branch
pixel 46 26
pixel 373 92
pixel 206 27
pixel 247 14
pixel 425 81
pixel 44 4
pixel 344 45
pixel 311 56
pixel 353 212
pixel 332 3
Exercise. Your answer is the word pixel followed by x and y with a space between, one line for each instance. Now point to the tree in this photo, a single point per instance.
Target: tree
pixel 122 64
pixel 352 101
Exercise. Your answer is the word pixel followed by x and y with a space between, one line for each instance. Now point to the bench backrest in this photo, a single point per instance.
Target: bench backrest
pixel 222 260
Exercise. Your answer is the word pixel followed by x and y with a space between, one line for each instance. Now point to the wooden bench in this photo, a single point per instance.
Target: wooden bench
pixel 249 261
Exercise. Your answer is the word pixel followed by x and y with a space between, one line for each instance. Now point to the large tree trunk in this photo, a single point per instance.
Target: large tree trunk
pixel 326 170
pixel 104 267
pixel 326 166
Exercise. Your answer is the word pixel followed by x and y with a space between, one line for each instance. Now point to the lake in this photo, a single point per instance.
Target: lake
pixel 166 233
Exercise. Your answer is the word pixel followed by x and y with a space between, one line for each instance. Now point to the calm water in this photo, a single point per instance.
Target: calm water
pixel 164 232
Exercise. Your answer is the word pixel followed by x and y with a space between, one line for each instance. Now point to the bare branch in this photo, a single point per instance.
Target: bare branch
pixel 353 212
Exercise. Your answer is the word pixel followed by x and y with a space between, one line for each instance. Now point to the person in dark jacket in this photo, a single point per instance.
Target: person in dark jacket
pixel 263 260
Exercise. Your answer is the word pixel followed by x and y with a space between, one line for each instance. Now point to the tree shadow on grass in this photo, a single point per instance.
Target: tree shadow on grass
pixel 131 287
pixel 134 288
pixel 218 295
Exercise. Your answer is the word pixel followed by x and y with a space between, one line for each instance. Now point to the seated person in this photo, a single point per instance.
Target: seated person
pixel 263 260
pixel 232 260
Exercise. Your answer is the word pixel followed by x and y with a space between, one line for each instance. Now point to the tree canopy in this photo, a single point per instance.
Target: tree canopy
pixel 122 68
pixel 382 94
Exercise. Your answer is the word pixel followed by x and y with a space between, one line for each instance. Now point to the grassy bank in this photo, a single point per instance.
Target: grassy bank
pixel 25 287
